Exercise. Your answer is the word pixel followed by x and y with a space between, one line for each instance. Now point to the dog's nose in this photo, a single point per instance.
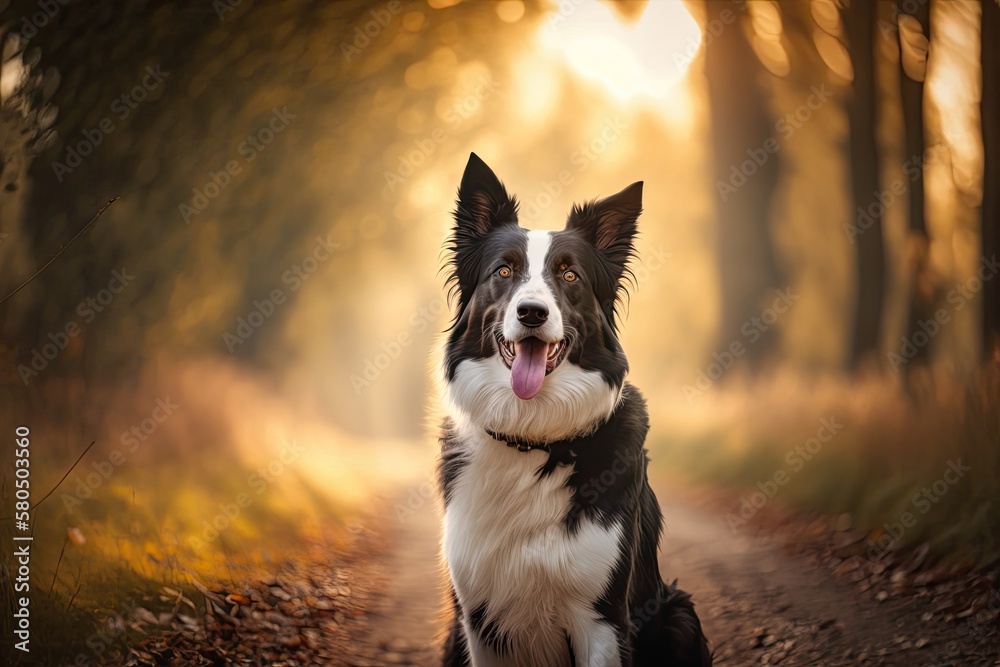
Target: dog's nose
pixel 532 313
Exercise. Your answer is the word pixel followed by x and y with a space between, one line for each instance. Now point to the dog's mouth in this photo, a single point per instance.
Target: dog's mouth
pixel 530 360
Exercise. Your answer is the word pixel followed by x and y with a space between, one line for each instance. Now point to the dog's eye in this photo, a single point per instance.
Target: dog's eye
pixel 504 272
pixel 569 276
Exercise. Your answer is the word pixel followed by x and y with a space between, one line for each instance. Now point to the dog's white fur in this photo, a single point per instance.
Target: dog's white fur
pixel 572 401
pixel 535 287
pixel 505 543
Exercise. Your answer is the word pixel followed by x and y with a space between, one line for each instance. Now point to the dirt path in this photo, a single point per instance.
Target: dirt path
pixel 763 607
pixel 759 606
pixel 411 614
pixel 380 603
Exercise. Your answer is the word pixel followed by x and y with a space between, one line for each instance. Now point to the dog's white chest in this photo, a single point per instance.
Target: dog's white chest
pixel 510 555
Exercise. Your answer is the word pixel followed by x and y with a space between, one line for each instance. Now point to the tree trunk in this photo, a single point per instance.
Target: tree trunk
pixel 859 23
pixel 990 111
pixel 911 89
pixel 741 129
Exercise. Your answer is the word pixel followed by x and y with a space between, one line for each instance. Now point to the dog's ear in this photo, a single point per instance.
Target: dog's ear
pixel 483 205
pixel 483 202
pixel 610 224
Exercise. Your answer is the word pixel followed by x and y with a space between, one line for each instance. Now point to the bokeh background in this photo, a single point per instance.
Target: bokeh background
pixel 818 241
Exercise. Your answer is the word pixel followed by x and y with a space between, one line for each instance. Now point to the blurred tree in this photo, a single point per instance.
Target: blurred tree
pixel 340 70
pixel 798 21
pixel 741 128
pixel 859 24
pixel 90 64
pixel 913 23
pixel 98 53
pixel 990 118
pixel 26 117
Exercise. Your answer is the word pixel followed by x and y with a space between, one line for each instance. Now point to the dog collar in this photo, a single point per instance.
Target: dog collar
pixel 527 445
pixel 522 445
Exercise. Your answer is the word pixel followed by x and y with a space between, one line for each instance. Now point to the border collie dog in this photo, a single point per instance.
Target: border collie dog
pixel 550 526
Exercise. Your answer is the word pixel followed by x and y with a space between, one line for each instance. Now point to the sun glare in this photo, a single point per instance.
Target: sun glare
pixel 641 59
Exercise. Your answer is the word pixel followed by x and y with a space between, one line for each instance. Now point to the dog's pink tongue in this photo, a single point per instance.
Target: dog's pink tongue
pixel 527 373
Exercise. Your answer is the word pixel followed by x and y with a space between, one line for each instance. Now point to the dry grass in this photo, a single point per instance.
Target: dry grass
pixel 272 479
pixel 891 447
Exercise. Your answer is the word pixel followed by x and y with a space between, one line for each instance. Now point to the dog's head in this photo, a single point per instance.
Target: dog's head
pixel 533 349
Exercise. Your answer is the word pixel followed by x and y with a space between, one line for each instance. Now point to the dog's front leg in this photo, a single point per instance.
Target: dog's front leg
pixel 481 653
pixel 456 654
pixel 599 643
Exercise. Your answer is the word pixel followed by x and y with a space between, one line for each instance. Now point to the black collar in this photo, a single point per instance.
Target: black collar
pixel 561 447
pixel 522 445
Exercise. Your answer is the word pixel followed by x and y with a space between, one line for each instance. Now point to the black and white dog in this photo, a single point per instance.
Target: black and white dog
pixel 550 526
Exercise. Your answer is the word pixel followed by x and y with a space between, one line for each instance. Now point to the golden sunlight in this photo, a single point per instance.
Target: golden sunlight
pixel 261 405
pixel 642 59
